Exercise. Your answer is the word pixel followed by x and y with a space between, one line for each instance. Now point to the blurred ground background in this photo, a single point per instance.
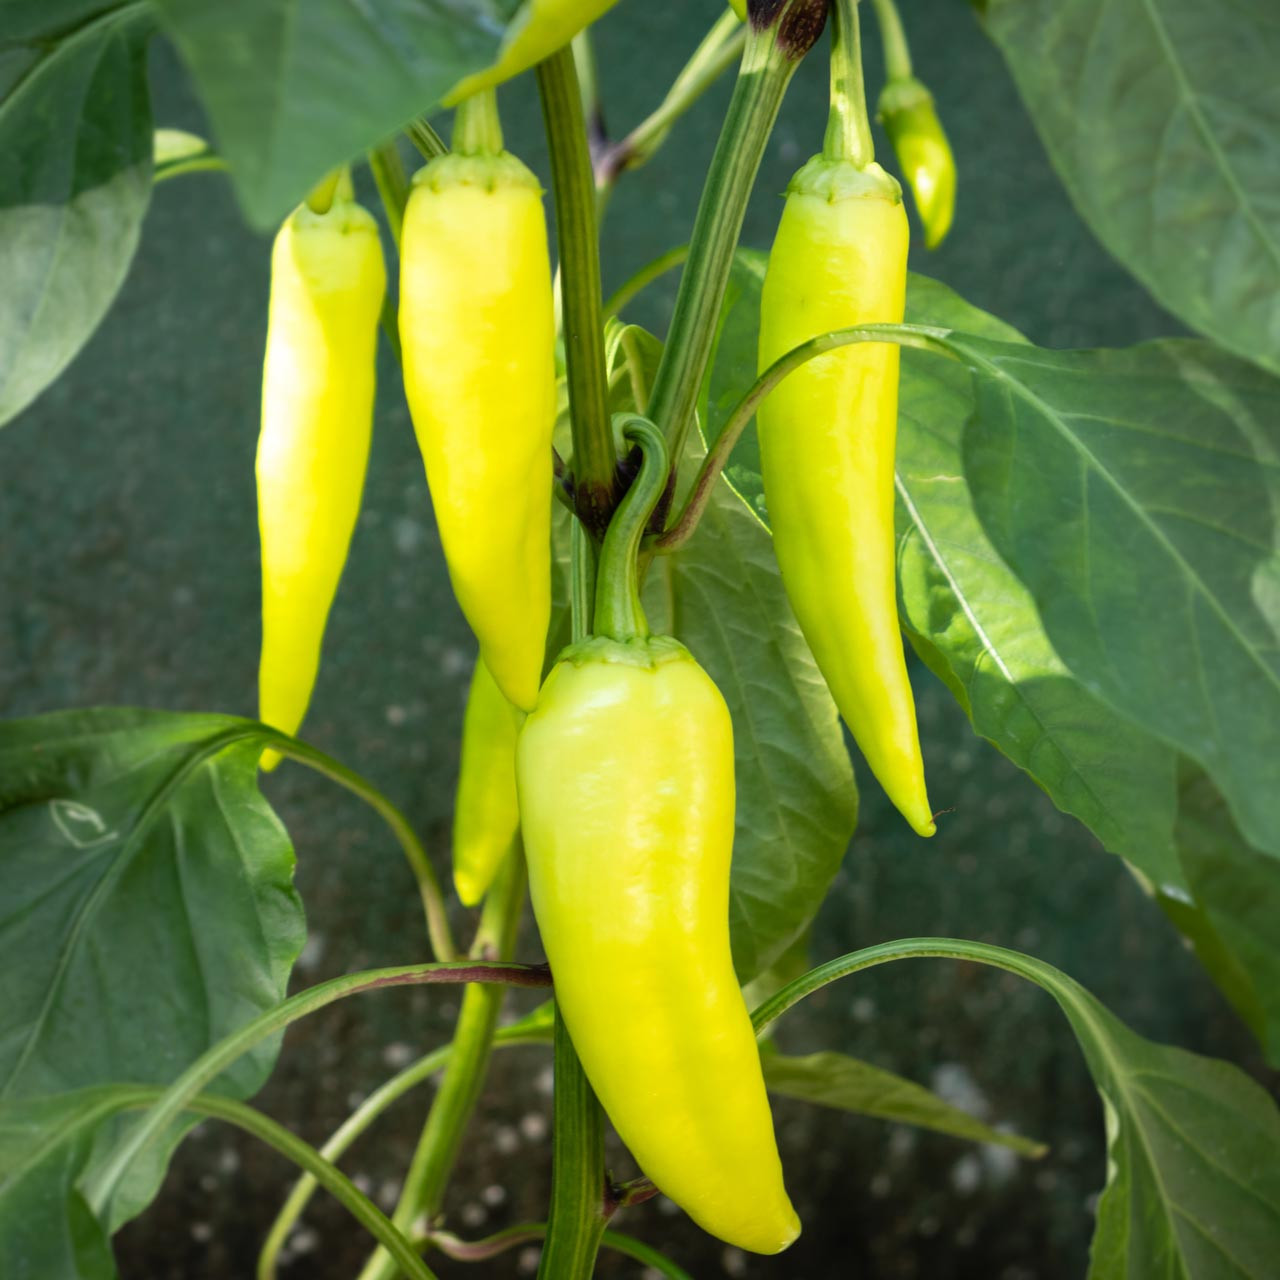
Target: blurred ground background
pixel 129 576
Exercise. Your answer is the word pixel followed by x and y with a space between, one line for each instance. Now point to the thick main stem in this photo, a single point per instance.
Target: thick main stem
pixel 577 1218
pixel 594 460
pixel 757 95
pixel 459 1090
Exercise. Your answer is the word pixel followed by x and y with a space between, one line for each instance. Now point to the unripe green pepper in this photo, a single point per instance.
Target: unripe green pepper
pixel 486 815
pixel 625 772
pixel 477 329
pixel 327 286
pixel 911 120
pixel 539 29
pixel 827 436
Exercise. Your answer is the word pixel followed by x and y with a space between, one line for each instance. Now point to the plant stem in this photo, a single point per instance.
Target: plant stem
pixel 906 335
pixel 320 198
pixel 618 612
pixel 442 944
pixel 583 582
pixel 477 128
pixel 392 182
pixel 757 95
pixel 577 1218
pixel 897 53
pixel 456 1098
pixel 848 134
pixel 518 1034
pixel 719 50
pixel 426 139
pixel 594 462
pixel 216 1059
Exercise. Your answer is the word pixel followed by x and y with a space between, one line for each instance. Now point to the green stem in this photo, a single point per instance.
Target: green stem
pixel 594 462
pixel 762 81
pixel 392 182
pixel 459 1091
pixel 720 49
pixel 848 134
pixel 647 274
pixel 897 53
pixel 215 1060
pixel 577 1217
pixel 321 197
pixel 518 1034
pixel 426 139
pixel 583 584
pixel 922 337
pixel 438 930
pixel 318 1169
pixel 477 128
pixel 618 612
pixel 526 1232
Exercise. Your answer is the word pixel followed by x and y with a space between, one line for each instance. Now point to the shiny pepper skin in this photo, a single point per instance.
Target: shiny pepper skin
pixel 327 286
pixel 924 154
pixel 540 28
pixel 827 436
pixel 477 329
pixel 486 815
pixel 626 782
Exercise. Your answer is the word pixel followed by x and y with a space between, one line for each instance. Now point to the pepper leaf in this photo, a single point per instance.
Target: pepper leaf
pixel 75 131
pixel 848 1084
pixel 135 844
pixel 1135 494
pixel 1162 117
pixel 295 87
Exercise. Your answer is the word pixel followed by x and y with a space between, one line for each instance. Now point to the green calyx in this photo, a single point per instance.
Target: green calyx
pixel 488 172
pixel 833 180
pixel 648 652
pixel 900 96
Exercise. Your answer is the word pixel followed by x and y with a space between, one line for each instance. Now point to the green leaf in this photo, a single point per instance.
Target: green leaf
pixel 1193 1183
pixel 1231 908
pixel 149 905
pixel 75 131
pixel 976 626
pixel 1163 120
pixel 1135 495
pixel 848 1084
pixel 176 152
pixel 47 1230
pixel 295 87
pixel 722 595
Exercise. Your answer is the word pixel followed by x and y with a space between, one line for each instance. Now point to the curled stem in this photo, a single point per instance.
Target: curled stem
pixel 924 337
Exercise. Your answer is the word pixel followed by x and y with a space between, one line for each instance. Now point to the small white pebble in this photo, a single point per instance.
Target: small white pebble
pixel 966 1174
pixel 734 1262
pixel 473 1215
pixel 304 1240
pixel 396 715
pixel 528 1260
pixel 398 1054
pixel 881 1185
pixel 228 1160
pixel 202 1232
pixel 389 1193
pixel 494 1195
pixel 506 1140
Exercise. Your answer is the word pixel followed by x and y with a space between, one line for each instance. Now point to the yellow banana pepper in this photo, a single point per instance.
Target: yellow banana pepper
pixel 827 436
pixel 625 773
pixel 327 286
pixel 486 815
pixel 477 329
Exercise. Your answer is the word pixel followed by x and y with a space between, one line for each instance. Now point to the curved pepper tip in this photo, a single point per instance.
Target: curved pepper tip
pixel 269 759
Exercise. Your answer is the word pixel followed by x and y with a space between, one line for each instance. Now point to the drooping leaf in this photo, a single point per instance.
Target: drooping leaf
pixel 848 1084
pixel 1192 1181
pixel 1231 908
pixel 75 133
pixel 295 87
pixel 1135 494
pixel 1163 119
pixel 148 905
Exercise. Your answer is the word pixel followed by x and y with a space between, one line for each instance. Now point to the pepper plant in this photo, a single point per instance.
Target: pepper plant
pixel 1080 545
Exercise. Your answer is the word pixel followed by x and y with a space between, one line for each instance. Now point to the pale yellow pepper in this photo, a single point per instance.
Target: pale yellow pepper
pixel 827 437
pixel 327 287
pixel 477 328
pixel 486 814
